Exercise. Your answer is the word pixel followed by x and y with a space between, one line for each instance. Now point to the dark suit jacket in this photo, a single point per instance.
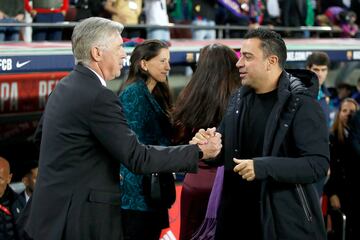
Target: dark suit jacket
pixel 85 137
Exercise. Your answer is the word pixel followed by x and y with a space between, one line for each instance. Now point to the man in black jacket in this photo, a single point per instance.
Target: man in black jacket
pixel 275 147
pixel 85 137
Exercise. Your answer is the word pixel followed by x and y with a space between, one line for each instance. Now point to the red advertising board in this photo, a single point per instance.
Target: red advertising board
pixel 26 93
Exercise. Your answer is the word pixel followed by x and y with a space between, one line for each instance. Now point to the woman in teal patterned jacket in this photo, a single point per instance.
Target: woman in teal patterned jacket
pixel 146 102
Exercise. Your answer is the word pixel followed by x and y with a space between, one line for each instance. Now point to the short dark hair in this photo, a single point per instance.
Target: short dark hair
pixel 317 58
pixel 271 43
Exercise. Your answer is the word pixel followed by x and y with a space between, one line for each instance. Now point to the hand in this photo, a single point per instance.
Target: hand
pixel 20 17
pixel 213 146
pixel 33 13
pixel 202 136
pixel 245 168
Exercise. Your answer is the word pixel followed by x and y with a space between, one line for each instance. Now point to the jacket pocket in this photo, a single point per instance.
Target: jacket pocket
pixel 304 202
pixel 112 198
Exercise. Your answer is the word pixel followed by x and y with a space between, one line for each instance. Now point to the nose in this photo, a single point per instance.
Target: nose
pixel 122 53
pixel 240 62
pixel 167 66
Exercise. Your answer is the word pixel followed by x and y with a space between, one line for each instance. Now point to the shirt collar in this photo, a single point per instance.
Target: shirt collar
pixel 26 196
pixel 100 78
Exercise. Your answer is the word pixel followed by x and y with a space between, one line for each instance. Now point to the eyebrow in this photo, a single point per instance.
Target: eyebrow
pixel 247 53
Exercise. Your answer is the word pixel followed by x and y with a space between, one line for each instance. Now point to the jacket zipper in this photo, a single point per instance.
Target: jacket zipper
pixel 304 202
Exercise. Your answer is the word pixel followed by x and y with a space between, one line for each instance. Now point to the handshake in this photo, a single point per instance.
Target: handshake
pixel 208 141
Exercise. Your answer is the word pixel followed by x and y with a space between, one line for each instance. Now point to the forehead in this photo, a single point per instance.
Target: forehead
pixel 348 106
pixel 320 67
pixel 163 53
pixel 252 45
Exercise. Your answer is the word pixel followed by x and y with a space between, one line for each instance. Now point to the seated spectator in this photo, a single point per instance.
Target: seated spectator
pixel 45 11
pixel 11 11
pixel 340 18
pixel 10 206
pixel 29 180
pixel 344 90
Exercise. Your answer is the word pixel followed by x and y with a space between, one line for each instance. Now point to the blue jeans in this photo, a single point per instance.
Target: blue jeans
pixel 160 34
pixel 52 34
pixel 201 34
pixel 9 33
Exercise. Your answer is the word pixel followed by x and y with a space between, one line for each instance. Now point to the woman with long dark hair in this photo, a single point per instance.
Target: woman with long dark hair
pixel 146 102
pixel 201 104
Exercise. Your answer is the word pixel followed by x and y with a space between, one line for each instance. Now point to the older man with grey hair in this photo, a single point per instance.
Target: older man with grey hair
pixel 85 137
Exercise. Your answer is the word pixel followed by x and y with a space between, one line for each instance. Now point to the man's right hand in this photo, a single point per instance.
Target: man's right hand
pixel 209 142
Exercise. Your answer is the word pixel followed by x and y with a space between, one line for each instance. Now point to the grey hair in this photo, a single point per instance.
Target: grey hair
pixel 91 32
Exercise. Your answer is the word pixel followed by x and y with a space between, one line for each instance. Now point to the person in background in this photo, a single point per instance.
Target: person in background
pixel 214 80
pixel 45 11
pixel 11 11
pixel 84 137
pixel 156 14
pixel 204 12
pixel 319 63
pixel 29 180
pixel 275 147
pixel 10 206
pixel 344 165
pixel 343 90
pixel 126 12
pixel 356 94
pixel 90 8
pixel 146 102
pixel 181 13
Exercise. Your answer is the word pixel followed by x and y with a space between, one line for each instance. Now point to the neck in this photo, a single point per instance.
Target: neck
pixel 151 83
pixel 270 83
pixel 95 67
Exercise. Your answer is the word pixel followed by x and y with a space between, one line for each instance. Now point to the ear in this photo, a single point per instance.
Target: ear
pixel 25 180
pixel 96 54
pixel 272 61
pixel 143 65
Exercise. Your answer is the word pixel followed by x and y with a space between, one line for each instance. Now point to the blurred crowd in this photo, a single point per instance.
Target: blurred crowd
pixel 339 14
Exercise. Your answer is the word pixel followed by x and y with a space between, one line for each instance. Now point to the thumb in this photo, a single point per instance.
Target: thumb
pixel 237 160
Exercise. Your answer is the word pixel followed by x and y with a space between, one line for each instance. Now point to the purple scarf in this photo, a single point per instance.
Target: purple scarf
pixel 207 229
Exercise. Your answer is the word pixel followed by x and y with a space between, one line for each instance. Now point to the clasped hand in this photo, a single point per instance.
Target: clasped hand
pixel 209 142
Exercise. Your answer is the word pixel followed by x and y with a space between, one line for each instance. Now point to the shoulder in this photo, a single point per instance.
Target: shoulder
pixel 134 88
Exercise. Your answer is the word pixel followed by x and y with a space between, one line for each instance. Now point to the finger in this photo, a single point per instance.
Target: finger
pixel 249 178
pixel 211 131
pixel 202 134
pixel 196 140
pixel 237 161
pixel 218 135
pixel 240 166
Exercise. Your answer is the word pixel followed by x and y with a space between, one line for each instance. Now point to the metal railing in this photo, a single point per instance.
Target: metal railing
pixel 221 29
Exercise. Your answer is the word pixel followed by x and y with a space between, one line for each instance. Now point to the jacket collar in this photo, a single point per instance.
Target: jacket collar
pixel 84 70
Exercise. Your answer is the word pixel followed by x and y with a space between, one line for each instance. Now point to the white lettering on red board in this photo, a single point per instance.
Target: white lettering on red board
pixel 9 95
pixel 45 88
